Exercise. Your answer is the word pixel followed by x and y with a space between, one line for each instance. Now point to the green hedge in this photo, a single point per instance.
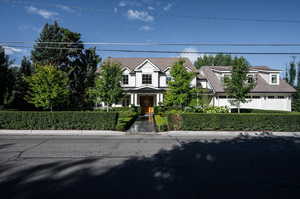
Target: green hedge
pixel 161 123
pixel 235 122
pixel 58 120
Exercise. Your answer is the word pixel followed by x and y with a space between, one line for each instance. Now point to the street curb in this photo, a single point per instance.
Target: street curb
pixel 61 132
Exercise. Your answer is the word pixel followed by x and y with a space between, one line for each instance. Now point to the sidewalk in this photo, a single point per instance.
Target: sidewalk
pixel 168 133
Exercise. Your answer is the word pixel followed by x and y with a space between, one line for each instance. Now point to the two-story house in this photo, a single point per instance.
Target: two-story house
pixel 146 79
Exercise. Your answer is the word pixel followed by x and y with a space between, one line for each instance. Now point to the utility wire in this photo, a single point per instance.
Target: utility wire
pixel 167 52
pixel 159 44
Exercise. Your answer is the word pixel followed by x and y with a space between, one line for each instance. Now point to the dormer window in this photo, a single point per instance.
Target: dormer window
pixel 147 79
pixel 250 79
pixel 169 79
pixel 274 79
pixel 125 79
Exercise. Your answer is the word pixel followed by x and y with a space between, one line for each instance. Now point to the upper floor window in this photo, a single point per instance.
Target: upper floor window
pixel 274 79
pixel 169 79
pixel 125 79
pixel 250 79
pixel 147 79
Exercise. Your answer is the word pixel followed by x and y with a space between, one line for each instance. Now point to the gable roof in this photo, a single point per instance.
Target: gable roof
pixel 251 68
pixel 261 85
pixel 161 62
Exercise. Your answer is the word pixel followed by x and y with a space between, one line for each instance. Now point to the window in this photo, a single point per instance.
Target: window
pixel 147 79
pixel 169 79
pixel 222 97
pixel 126 101
pixel 125 79
pixel 256 97
pixel 274 79
pixel 271 97
pixel 248 97
pixel 280 97
pixel 250 79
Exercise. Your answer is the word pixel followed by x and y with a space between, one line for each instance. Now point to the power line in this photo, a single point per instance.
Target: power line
pixel 167 52
pixel 161 44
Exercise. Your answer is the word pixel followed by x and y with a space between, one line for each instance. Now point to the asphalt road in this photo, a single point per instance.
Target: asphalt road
pixel 148 166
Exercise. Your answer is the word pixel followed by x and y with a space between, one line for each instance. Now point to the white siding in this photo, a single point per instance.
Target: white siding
pixel 262 103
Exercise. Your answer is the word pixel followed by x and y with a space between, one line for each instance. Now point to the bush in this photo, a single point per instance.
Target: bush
pixel 235 122
pixel 161 123
pixel 58 120
pixel 125 120
pixel 234 110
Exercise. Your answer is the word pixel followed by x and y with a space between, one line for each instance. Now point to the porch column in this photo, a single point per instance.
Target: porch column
pixel 157 99
pixel 131 99
pixel 162 97
pixel 136 99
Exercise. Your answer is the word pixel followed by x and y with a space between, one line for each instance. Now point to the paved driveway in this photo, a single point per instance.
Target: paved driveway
pixel 147 166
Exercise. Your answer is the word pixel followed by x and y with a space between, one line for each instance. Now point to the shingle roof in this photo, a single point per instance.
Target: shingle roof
pixel 161 62
pixel 252 68
pixel 261 85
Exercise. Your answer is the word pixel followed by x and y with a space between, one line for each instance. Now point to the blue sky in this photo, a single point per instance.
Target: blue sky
pixel 159 21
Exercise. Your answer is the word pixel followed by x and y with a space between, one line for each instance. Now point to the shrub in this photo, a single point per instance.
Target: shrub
pixel 257 111
pixel 58 120
pixel 235 122
pixel 161 123
pixel 125 119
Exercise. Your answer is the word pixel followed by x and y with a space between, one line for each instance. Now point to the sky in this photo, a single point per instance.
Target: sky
pixel 177 21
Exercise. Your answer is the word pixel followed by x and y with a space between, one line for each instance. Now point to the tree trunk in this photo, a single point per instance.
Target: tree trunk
pixel 238 106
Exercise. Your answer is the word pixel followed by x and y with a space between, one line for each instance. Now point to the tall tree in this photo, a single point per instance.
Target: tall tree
pixel 82 76
pixel 238 86
pixel 108 84
pixel 179 92
pixel 215 60
pixel 48 87
pixel 51 44
pixel 80 64
pixel 21 86
pixel 7 77
pixel 292 72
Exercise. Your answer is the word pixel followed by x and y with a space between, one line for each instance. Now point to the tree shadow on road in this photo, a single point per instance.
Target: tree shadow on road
pixel 245 167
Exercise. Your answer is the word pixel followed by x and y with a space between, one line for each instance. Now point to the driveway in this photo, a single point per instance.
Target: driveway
pixel 149 166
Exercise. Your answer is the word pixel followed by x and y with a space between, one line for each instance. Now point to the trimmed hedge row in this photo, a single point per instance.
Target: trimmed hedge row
pixel 235 122
pixel 58 120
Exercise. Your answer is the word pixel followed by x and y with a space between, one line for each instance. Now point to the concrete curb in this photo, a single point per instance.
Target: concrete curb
pixel 60 132
pixel 229 133
pixel 168 133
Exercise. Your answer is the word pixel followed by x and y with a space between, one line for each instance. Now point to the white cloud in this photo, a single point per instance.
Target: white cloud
pixel 122 4
pixel 168 7
pixel 151 8
pixel 146 28
pixel 191 56
pixel 139 15
pixel 65 8
pixel 43 13
pixel 11 50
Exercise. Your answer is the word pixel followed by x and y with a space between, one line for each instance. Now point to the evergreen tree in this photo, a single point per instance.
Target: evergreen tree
pixel 21 86
pixel 7 77
pixel 48 87
pixel 84 73
pixel 237 86
pixel 292 72
pixel 46 51
pixel 79 64
pixel 108 84
pixel 179 92
pixel 217 60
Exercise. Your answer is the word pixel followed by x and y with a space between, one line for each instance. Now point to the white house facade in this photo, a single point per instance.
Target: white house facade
pixel 145 81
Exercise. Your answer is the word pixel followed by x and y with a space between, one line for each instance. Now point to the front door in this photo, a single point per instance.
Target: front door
pixel 146 103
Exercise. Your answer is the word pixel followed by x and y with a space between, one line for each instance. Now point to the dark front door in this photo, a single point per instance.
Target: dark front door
pixel 146 103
